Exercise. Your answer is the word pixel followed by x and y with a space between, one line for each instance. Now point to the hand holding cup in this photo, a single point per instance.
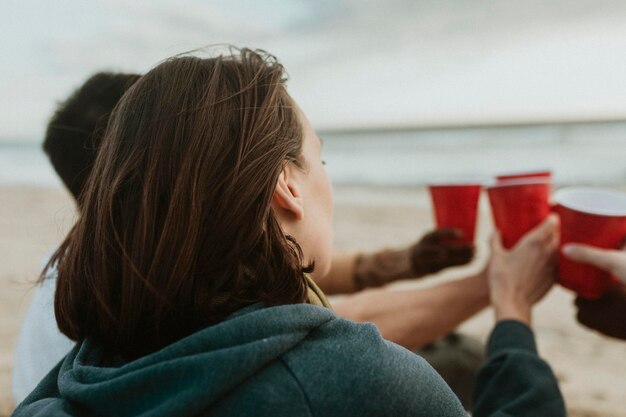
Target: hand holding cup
pixel 435 251
pixel 612 261
pixel 438 250
pixel 520 277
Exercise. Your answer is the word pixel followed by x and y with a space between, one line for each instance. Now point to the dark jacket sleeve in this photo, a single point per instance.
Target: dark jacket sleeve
pixel 515 381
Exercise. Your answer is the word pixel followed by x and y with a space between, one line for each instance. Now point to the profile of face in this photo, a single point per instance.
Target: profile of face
pixel 303 202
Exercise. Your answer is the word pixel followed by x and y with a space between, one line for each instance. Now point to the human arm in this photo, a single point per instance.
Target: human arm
pixel 352 272
pixel 515 381
pixel 414 318
pixel 604 314
pixel 520 277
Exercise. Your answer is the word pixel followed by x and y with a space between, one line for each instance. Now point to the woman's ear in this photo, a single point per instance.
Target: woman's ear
pixel 287 197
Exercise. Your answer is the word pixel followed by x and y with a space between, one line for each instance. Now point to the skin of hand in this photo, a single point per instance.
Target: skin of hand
pixel 609 260
pixel 414 318
pixel 606 314
pixel 520 277
pixel 435 251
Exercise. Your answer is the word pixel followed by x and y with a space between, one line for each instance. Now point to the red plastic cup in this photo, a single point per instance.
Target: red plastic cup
pixel 593 217
pixel 456 207
pixel 541 175
pixel 518 206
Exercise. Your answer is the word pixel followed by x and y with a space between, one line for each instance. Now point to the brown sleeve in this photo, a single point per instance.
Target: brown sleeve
pixel 380 268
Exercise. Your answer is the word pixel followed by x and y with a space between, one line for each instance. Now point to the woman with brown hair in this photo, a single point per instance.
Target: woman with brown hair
pixel 73 137
pixel 186 281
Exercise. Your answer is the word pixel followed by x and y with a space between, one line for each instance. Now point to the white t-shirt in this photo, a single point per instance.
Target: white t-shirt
pixel 40 345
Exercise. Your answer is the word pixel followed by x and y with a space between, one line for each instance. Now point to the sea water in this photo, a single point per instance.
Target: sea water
pixel 580 153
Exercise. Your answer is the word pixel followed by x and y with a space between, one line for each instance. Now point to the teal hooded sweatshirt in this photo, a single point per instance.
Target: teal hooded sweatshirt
pixel 293 360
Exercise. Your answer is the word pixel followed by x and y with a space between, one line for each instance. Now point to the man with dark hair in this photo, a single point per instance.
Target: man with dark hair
pixel 72 140
pixel 75 130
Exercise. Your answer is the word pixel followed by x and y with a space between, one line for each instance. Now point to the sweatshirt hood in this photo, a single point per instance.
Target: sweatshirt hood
pixel 193 373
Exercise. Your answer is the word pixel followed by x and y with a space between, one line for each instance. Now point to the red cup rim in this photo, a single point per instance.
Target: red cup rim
pixel 566 197
pixel 455 184
pixel 518 182
pixel 532 173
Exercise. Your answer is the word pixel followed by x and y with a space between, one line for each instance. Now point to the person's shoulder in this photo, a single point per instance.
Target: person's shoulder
pixel 346 367
pixel 357 343
pixel 361 347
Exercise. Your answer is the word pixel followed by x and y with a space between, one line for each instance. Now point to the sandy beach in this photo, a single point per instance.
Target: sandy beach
pixel 591 368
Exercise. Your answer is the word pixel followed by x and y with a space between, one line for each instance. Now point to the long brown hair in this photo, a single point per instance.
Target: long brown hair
pixel 177 229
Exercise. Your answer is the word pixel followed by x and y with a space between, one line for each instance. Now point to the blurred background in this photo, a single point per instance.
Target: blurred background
pixel 403 92
pixel 501 85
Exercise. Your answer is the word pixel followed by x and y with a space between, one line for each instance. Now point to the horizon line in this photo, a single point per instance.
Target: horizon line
pixel 466 125
pixel 398 128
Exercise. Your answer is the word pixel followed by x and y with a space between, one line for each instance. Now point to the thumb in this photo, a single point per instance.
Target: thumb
pixel 545 231
pixel 604 259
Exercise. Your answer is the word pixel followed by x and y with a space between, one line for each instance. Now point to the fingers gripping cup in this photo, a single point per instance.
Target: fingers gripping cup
pixel 518 206
pixel 593 217
pixel 456 207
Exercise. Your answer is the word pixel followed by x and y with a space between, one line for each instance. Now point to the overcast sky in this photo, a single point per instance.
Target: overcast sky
pixel 352 63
